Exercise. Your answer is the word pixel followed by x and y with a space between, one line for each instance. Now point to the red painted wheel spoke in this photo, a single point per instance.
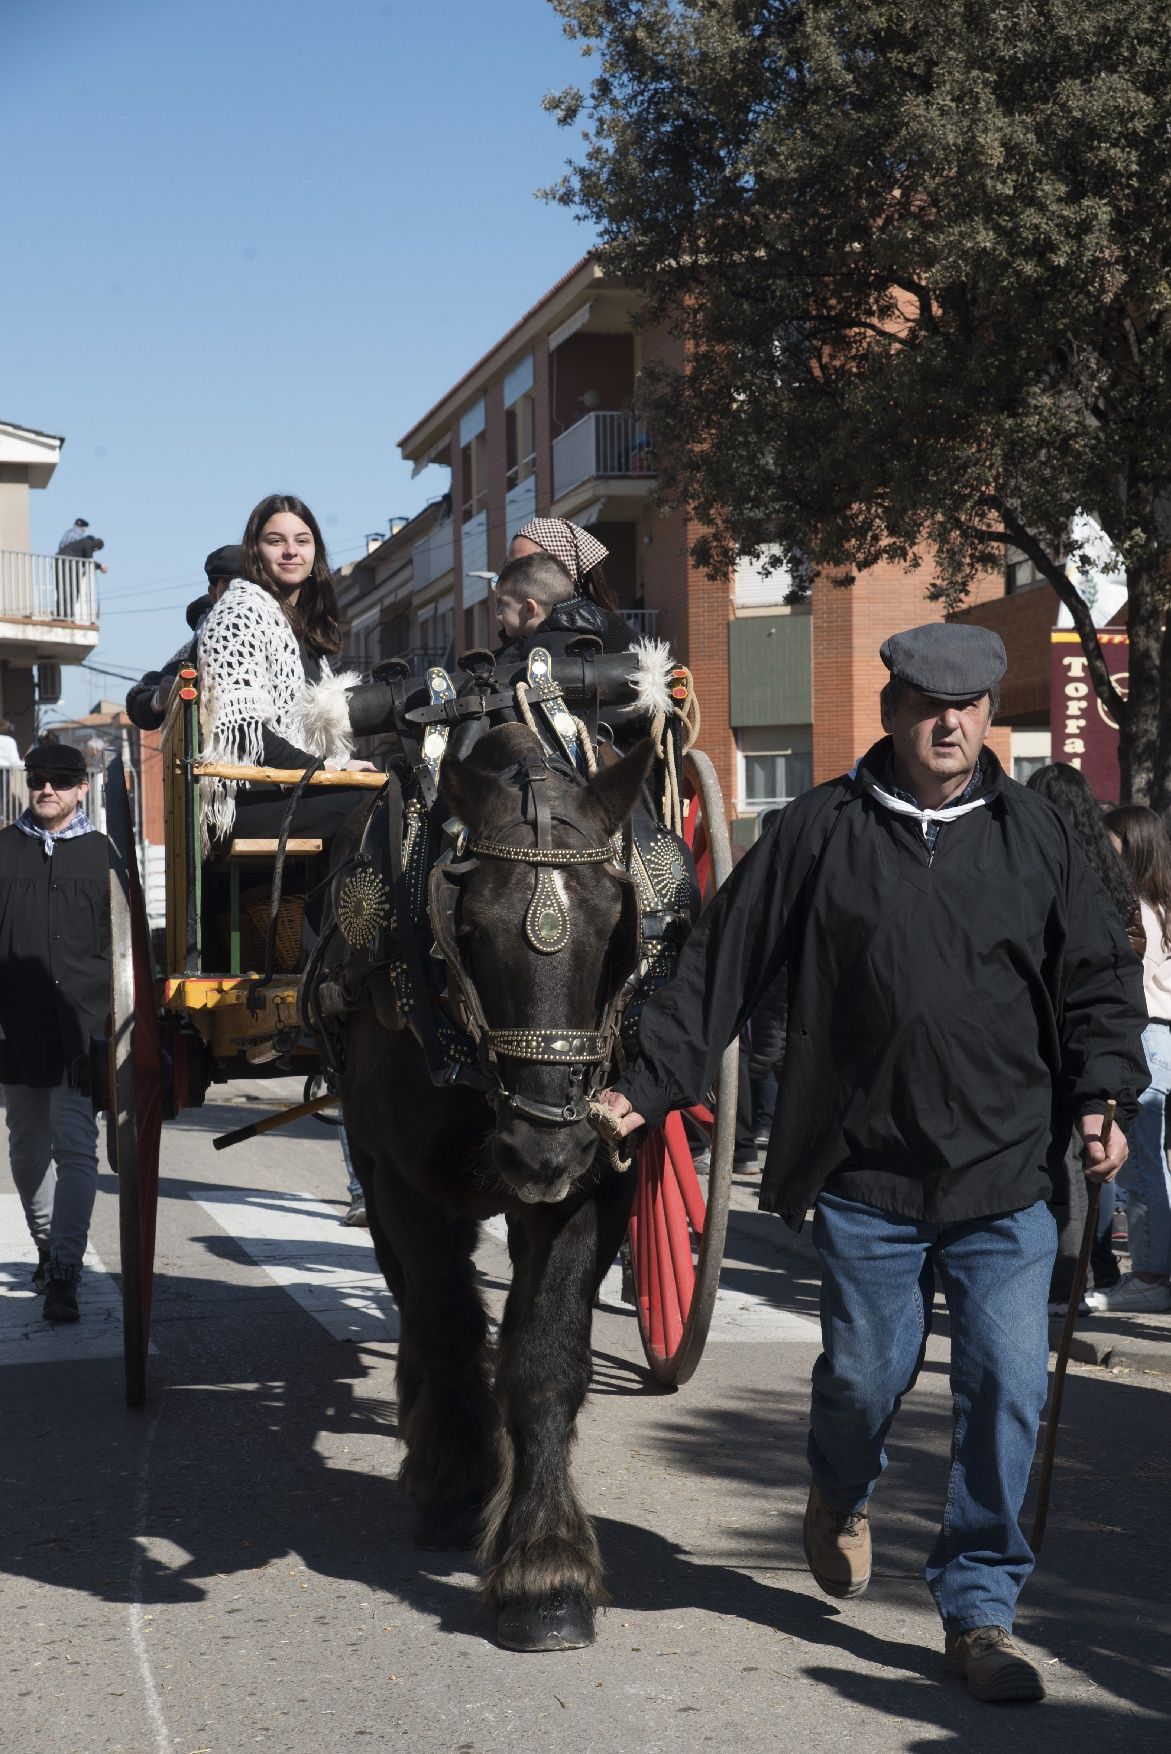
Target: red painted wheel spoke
pixel 672 1318
pixel 654 1283
pixel 679 1238
pixel 685 1176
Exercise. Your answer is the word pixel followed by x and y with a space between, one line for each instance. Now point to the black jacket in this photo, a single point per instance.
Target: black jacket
pixel 948 1017
pixel 568 621
pixel 54 954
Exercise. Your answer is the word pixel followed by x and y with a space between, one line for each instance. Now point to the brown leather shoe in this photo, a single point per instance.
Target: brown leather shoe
pixel 837 1546
pixel 997 1669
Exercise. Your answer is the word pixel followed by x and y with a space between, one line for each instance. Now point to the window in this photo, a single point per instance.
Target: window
pixel 1025 766
pixel 1021 575
pixel 475 475
pixel 776 778
pixel 521 458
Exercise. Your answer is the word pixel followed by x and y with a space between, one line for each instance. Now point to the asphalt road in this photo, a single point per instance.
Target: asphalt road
pixel 229 1568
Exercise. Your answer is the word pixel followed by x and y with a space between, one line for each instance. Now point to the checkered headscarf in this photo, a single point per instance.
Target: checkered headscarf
pixel 578 551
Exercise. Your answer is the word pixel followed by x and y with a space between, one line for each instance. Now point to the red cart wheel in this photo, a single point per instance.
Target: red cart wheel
pixel 678 1224
pixel 135 1115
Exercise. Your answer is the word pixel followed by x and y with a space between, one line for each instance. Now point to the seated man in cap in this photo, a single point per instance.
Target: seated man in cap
pixel 146 702
pixel 961 993
pixel 54 995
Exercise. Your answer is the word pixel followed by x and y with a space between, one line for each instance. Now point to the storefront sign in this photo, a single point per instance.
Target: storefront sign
pixel 1083 733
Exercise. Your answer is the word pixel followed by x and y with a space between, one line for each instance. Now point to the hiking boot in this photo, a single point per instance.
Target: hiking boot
pixel 997 1669
pixel 41 1272
pixel 837 1546
pixel 356 1213
pixel 61 1301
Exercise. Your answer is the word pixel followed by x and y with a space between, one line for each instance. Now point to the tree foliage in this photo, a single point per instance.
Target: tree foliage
pixel 920 255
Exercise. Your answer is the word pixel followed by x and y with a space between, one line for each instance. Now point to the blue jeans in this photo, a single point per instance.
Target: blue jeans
pixel 1143 1178
pixel 876 1296
pixel 53 1153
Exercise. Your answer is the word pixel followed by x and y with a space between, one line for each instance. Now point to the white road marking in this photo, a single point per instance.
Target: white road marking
pixel 738 1315
pixel 150 1691
pixel 304 1248
pixel 25 1336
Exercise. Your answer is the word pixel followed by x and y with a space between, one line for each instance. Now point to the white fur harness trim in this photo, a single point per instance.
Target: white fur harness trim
pixel 652 682
pixel 250 675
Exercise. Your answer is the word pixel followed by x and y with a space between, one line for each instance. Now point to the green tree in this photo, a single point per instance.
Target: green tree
pixel 919 254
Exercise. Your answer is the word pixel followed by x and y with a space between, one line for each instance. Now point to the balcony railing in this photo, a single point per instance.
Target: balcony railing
pixel 432 557
pixel 422 658
pixel 640 621
pixel 47 587
pixel 602 443
pixel 13 794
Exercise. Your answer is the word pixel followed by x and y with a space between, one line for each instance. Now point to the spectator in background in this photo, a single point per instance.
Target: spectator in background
pixel 76 544
pixel 1146 1185
pixel 78 529
pixel 54 995
pixel 1069 791
pixel 146 702
pixel 9 753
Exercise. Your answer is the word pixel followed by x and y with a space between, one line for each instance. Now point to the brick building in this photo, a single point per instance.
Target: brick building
pixel 541 425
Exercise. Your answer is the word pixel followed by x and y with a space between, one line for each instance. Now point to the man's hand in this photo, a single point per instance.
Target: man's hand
pixel 626 1119
pixel 162 694
pixel 1101 1163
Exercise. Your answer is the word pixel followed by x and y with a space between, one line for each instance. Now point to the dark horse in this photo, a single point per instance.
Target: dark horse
pixel 540 933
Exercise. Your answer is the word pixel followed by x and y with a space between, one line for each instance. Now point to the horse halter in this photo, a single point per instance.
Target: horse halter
pixel 585 1053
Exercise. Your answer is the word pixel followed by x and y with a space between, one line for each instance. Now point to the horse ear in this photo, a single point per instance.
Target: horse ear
pixel 613 792
pixel 469 792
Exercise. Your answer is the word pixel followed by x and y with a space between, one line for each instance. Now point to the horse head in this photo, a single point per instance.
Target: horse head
pixel 539 928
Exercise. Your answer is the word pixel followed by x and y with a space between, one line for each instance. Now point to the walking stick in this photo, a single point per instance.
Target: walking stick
pixel 1064 1344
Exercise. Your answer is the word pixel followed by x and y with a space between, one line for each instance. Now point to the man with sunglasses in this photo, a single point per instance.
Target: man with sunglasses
pixel 54 995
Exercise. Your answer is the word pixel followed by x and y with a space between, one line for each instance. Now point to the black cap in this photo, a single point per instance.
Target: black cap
pixel 225 563
pixel 948 660
pixel 197 610
pixel 56 758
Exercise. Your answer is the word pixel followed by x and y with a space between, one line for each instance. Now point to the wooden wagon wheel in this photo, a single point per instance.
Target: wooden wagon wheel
pixel 677 1229
pixel 135 1113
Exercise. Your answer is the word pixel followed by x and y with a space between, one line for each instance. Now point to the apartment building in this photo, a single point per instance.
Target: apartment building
pixel 542 425
pixel 48 603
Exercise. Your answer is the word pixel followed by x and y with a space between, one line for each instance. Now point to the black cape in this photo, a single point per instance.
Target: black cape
pixel 948 1017
pixel 54 954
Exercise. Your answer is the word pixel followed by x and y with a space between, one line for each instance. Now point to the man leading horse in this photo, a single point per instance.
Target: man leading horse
pixel 961 994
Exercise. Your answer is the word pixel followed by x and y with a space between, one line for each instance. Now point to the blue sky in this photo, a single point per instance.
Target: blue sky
pixel 248 243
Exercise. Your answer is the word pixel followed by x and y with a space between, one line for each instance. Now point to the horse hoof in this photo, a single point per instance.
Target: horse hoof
pixel 447 1527
pixel 561 1620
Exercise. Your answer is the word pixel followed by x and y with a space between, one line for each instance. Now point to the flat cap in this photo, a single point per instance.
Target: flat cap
pixel 225 563
pixel 56 758
pixel 948 660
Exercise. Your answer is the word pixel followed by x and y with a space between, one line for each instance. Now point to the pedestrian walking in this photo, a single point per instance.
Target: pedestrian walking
pixel 961 994
pixel 54 995
pixel 1145 1182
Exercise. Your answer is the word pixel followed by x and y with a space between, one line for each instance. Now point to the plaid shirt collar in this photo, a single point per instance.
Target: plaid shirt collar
pixel 930 829
pixel 48 838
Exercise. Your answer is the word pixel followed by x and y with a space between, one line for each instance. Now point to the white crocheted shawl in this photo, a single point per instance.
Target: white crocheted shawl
pixel 251 675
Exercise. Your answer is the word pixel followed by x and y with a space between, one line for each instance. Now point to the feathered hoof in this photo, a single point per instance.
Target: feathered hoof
pixel 443 1528
pixel 560 1620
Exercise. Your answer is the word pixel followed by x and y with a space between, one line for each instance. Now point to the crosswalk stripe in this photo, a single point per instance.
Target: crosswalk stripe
pixel 25 1336
pixel 302 1246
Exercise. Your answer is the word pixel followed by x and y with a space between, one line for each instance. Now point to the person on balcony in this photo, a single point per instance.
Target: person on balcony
pixel 147 700
pixel 54 995
pixel 267 694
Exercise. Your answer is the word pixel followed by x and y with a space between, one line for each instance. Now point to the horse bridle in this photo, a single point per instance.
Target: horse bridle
pixel 585 1053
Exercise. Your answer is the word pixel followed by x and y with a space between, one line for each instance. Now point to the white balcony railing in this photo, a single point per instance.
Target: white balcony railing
pixel 641 622
pixel 432 557
pixel 13 794
pixel 520 504
pixel 602 443
pixel 47 587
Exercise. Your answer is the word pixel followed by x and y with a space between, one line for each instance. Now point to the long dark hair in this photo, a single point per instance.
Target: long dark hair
pixel 1147 852
pixel 314 618
pixel 1069 791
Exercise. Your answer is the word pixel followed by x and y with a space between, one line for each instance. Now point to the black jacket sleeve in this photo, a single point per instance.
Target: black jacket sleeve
pixel 140 707
pixel 279 752
pixel 735 953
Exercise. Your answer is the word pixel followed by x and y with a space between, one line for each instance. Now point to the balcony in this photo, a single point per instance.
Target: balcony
pixel 13 794
pixel 641 622
pixel 603 445
pixel 49 603
pixel 432 557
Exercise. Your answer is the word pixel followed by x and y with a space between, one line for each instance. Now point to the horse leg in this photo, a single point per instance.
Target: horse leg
pixel 543 1571
pixel 447 1416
